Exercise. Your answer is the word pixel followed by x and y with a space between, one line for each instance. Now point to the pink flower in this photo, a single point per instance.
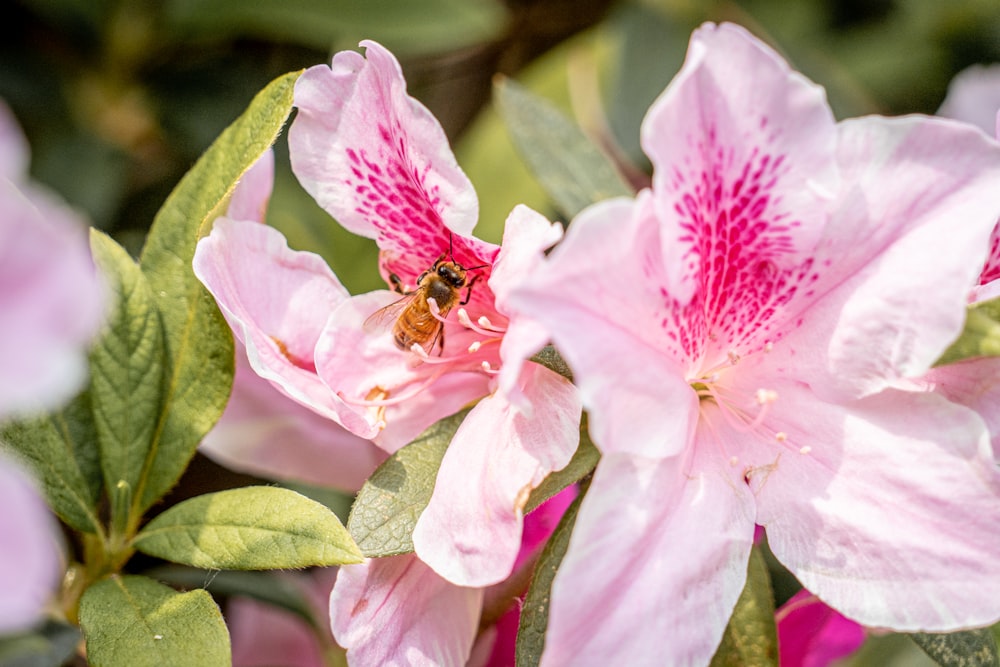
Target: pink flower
pixel 380 164
pixel 737 332
pixel 262 431
pixel 398 611
pixel 51 299
pixel 810 634
pixel 974 97
pixel 30 559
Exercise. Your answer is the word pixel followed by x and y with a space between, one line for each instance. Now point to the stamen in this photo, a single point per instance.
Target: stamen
pixel 734 461
pixel 768 346
pixel 432 305
pixel 733 357
pixel 766 396
pixel 474 347
pixel 485 327
pixel 374 403
pixel 781 436
pixel 805 450
pixel 487 368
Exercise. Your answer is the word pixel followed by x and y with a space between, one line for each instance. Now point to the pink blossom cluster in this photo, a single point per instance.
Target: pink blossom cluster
pixel 753 338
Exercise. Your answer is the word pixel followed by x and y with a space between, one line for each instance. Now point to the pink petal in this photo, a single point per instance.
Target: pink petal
pixel 655 565
pixel 890 514
pixel 264 433
pixel 974 383
pixel 378 161
pixel 357 362
pixel 731 151
pixel 396 611
pixel 277 302
pixel 810 634
pixel 14 151
pixel 610 333
pixel 470 532
pixel 30 559
pixel 526 236
pixel 900 266
pixel 51 297
pixel 974 97
pixel 250 197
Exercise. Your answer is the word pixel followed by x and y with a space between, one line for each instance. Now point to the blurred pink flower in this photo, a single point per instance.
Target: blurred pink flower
pixel 30 560
pixel 263 635
pixel 377 161
pixel 737 333
pixel 974 97
pixel 398 611
pixel 811 634
pixel 51 299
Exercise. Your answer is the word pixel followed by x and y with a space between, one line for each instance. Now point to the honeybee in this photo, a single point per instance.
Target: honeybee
pixel 415 323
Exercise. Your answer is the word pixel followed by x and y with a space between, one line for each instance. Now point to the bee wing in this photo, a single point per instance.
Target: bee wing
pixel 387 314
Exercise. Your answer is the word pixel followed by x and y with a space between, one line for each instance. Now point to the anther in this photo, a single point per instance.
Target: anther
pixel 733 357
pixel 734 461
pixel 781 436
pixel 805 450
pixel 768 346
pixel 766 396
pixel 474 347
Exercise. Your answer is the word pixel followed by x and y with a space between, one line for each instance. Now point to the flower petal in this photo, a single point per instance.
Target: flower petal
pixel 397 611
pixel 470 532
pixel 51 296
pixel 810 634
pixel 14 151
pixel 974 97
pixel 656 562
pixel 360 365
pixel 377 160
pixel 892 516
pixel 250 197
pixel 974 383
pixel 277 302
pixel 610 332
pixel 742 154
pixel 29 551
pixel 262 432
pixel 898 265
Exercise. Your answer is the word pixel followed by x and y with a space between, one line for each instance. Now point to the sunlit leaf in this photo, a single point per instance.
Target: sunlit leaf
pixel 198 342
pixel 138 622
pixel 573 171
pixel 126 375
pixel 971 648
pixel 389 504
pixel 61 449
pixel 250 528
pixel 535 612
pixel 751 638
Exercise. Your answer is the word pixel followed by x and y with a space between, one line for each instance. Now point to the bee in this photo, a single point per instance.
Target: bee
pixel 415 323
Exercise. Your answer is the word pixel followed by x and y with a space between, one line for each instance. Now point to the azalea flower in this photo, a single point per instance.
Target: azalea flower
pixel 810 634
pixel 378 161
pixel 974 97
pixel 263 432
pixel 398 611
pixel 30 558
pixel 737 332
pixel 51 299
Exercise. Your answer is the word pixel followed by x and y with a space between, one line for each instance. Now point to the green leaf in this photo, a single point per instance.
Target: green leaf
pixel 138 622
pixel 535 612
pixel 549 357
pixel 126 375
pixel 403 26
pixel 200 356
pixel 265 587
pixel 389 504
pixel 980 337
pixel 61 449
pixel 751 638
pixel 50 645
pixel 573 171
pixel 250 528
pixel 583 462
pixel 971 648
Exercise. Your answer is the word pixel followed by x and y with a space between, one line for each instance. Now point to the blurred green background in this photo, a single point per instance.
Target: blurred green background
pixel 119 98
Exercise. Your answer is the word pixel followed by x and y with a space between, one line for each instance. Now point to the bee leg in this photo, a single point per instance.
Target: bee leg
pixel 468 291
pixel 397 283
pixel 440 341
